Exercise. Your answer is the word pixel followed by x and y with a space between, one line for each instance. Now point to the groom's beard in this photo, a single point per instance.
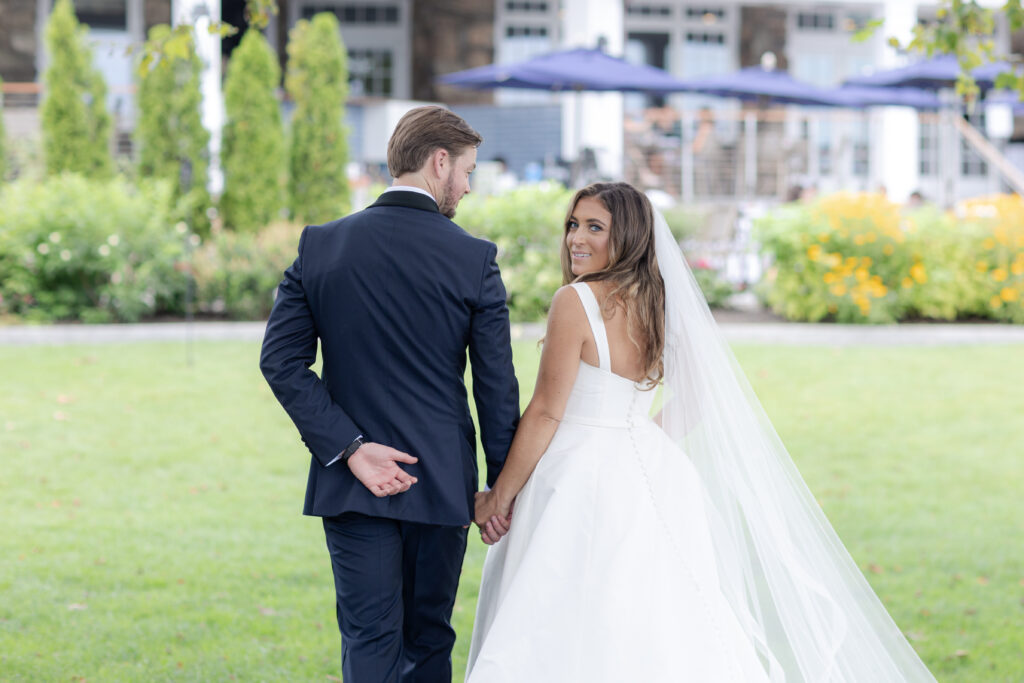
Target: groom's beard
pixel 449 198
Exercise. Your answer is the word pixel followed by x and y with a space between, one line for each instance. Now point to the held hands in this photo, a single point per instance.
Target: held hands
pixel 493 516
pixel 376 466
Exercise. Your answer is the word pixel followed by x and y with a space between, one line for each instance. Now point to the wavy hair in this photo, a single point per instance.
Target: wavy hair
pixel 632 270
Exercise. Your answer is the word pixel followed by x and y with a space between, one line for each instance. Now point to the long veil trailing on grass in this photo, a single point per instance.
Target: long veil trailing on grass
pixel 795 589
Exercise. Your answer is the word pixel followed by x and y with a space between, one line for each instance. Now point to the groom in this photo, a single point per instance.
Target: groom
pixel 395 294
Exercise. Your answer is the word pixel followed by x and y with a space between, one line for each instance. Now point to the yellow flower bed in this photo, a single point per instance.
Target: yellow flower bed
pixel 860 258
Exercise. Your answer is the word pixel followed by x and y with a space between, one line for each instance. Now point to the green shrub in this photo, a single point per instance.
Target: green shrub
pixel 857 258
pixel 93 250
pixel 526 224
pixel 317 81
pixel 170 129
pixel 254 145
pixel 684 221
pixel 237 273
pixel 715 288
pixel 75 121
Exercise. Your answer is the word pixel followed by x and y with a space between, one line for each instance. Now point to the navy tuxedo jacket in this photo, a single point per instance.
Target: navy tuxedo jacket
pixel 396 294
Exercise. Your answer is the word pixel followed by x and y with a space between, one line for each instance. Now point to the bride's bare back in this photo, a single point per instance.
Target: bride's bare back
pixel 626 358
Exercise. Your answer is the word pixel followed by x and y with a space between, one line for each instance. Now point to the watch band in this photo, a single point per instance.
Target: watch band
pixel 352 448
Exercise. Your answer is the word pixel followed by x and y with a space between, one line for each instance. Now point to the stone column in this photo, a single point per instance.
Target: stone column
pixel 43 8
pixel 200 14
pixel 135 15
pixel 894 147
pixel 594 120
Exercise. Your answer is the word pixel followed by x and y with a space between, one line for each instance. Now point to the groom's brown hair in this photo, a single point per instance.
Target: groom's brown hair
pixel 424 130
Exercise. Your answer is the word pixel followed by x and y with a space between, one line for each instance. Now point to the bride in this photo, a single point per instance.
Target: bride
pixel 683 548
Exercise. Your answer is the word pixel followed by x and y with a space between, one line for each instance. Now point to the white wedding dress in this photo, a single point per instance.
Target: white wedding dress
pixel 596 580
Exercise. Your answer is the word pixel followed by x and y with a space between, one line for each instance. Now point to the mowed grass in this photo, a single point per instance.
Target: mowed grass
pixel 152 530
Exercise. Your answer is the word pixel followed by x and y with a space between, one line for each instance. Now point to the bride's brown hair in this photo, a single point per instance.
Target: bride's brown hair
pixel 632 269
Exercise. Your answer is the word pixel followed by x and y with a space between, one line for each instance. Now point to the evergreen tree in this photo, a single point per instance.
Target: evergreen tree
pixel 76 123
pixel 170 131
pixel 253 153
pixel 317 82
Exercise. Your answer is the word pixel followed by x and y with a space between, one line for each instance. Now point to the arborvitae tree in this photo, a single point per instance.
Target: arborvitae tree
pixel 317 82
pixel 170 131
pixel 76 123
pixel 253 152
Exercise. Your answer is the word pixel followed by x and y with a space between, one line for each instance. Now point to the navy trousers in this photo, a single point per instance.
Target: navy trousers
pixel 395 583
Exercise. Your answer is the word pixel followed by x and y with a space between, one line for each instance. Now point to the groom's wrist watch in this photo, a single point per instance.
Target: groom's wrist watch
pixel 352 448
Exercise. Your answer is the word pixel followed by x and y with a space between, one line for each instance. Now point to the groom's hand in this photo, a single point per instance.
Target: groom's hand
pixel 493 518
pixel 376 466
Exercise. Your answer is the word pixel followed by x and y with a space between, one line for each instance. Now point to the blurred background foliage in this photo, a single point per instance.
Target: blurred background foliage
pixel 73 248
pixel 860 258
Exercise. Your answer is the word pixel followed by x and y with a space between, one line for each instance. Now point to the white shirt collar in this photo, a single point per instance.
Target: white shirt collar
pixel 410 188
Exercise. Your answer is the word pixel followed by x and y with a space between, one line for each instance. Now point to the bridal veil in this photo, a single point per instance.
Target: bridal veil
pixel 797 592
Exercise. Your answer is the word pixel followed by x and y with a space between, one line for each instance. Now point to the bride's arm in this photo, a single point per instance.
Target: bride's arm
pixel 559 363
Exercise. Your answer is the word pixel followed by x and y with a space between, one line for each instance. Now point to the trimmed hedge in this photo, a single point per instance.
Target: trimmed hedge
pixel 317 81
pixel 76 124
pixel 254 142
pixel 170 129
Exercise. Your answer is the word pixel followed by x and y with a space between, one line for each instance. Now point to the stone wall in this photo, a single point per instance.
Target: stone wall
pixel 450 35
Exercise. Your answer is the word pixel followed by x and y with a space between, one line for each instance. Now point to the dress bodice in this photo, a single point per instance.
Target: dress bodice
pixel 600 397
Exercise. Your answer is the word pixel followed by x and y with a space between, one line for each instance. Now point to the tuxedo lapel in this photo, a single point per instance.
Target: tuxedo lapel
pixel 412 200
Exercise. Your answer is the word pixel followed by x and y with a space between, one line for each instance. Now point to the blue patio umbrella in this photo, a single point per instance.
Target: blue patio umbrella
pixel 568 70
pixel 861 96
pixel 758 84
pixel 771 86
pixel 1011 98
pixel 934 73
pixel 575 70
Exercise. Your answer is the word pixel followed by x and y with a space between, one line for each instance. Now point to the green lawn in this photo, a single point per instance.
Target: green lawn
pixel 152 527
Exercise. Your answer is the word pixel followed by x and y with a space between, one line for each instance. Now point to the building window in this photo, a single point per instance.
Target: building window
pixel 816 21
pixel 861 158
pixel 705 38
pixel 855 21
pixel 531 31
pixel 824 159
pixel 526 6
pixel 708 15
pixel 370 73
pixel 356 14
pixel 928 149
pixel 861 149
pixel 971 163
pixel 650 49
pixel 648 11
pixel 103 14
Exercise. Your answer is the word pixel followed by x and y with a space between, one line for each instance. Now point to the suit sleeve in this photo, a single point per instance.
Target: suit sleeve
pixel 289 349
pixel 495 389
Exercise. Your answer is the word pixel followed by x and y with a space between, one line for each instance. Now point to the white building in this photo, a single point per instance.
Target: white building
pixel 892 148
pixel 397 47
